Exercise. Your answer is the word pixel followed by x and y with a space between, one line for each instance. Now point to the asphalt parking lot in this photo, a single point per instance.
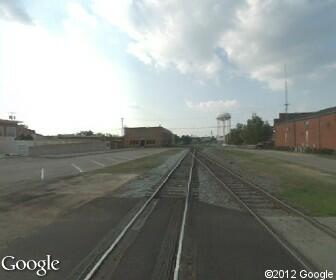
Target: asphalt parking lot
pixel 14 170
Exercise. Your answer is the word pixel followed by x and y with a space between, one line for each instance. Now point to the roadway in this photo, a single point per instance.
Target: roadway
pixel 25 169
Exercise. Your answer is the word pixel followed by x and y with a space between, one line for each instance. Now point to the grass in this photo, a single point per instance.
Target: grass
pixel 333 156
pixel 305 188
pixel 139 166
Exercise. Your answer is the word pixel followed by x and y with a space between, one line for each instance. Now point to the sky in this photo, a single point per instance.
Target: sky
pixel 68 66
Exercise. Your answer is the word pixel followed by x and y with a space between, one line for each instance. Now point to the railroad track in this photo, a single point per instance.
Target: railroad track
pixel 176 185
pixel 257 202
pixel 255 197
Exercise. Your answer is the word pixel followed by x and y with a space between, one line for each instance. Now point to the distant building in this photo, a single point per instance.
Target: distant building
pixel 315 130
pixel 11 128
pixel 113 142
pixel 11 132
pixel 8 128
pixel 147 137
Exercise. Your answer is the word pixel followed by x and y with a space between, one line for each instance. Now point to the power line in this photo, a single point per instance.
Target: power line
pixel 181 128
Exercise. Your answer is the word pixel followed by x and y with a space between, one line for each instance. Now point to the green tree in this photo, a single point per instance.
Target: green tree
pixel 85 133
pixel 186 139
pixel 255 131
pixel 235 136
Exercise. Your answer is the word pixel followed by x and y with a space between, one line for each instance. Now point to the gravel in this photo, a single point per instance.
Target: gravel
pixel 210 191
pixel 145 184
pixel 262 180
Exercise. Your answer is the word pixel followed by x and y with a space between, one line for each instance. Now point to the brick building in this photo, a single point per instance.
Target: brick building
pixel 147 137
pixel 315 130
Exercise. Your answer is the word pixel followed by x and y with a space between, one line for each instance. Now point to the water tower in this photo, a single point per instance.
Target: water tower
pixel 223 127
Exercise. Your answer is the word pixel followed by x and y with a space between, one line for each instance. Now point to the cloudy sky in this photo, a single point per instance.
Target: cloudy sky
pixel 67 66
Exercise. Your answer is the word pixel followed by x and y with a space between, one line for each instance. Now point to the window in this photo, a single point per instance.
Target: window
pixel 150 142
pixel 2 131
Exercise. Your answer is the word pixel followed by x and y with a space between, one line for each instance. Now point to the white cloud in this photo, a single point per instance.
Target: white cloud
pixel 269 34
pixel 216 106
pixel 10 10
pixel 180 34
pixel 210 38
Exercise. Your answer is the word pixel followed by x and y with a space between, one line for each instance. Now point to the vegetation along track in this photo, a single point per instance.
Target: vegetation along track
pixel 258 203
pixel 176 185
pixel 255 197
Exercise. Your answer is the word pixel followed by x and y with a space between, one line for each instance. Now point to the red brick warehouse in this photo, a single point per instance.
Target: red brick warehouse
pixel 315 130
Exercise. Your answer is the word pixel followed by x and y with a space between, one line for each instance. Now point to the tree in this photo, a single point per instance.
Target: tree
pixel 186 139
pixel 235 136
pixel 255 131
pixel 85 133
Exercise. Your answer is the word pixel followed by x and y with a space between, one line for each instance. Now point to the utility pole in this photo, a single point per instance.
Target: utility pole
pixel 286 91
pixel 122 126
pixel 12 116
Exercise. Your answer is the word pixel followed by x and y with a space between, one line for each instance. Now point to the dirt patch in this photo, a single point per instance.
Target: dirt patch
pixel 309 172
pixel 27 212
pixel 28 208
pixel 147 182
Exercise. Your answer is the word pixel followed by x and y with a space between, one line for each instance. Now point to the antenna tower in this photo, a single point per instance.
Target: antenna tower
pixel 286 91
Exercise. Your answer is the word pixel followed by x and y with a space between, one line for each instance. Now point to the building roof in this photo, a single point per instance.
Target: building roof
pixel 285 117
pixel 2 121
pixel 148 127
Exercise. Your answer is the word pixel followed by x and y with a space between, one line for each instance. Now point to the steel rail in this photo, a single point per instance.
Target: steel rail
pixel 184 219
pixel 304 263
pixel 108 251
pixel 313 221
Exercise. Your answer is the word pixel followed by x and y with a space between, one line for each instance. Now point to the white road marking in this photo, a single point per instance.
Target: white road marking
pixel 98 163
pixel 77 167
pixel 42 174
